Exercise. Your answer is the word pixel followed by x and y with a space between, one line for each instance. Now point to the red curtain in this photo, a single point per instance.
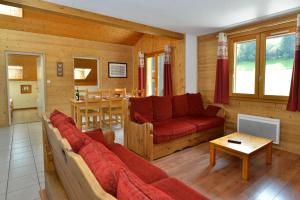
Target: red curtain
pixel 167 72
pixel 141 75
pixel 294 98
pixel 222 74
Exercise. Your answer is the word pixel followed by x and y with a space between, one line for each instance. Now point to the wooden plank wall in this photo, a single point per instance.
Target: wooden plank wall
pixel 290 121
pixel 149 44
pixel 61 49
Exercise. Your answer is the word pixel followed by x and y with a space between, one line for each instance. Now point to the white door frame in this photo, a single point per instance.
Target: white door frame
pixel 99 83
pixel 41 56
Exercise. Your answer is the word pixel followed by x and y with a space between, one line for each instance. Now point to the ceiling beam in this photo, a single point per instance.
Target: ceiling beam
pixel 112 21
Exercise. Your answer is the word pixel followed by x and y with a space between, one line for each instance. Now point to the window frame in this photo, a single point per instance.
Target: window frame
pixel 155 55
pixel 260 63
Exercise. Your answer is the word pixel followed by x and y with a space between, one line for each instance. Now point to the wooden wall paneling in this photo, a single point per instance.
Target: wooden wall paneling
pixel 102 19
pixel 149 44
pixel 207 57
pixel 61 49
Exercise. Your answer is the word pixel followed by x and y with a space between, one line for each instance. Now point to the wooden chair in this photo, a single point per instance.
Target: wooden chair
pixel 119 92
pixel 114 112
pixel 138 93
pixel 105 93
pixel 93 104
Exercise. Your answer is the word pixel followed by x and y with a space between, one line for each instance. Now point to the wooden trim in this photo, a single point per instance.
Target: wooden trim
pixel 30 108
pixel 77 13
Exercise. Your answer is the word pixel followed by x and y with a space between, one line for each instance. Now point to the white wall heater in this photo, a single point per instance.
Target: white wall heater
pixel 259 126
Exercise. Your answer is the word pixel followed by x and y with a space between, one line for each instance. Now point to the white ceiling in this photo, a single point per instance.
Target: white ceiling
pixel 187 16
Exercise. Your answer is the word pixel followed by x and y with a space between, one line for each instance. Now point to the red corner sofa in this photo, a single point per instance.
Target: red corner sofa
pixel 91 166
pixel 158 126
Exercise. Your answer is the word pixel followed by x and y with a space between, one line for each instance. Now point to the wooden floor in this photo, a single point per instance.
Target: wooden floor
pixel 224 181
pixel 25 116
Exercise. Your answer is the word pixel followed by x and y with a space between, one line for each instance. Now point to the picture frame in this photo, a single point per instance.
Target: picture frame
pixel 26 89
pixel 117 70
pixel 60 69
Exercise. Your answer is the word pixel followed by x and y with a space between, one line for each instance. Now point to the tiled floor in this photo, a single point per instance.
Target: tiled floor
pixel 21 162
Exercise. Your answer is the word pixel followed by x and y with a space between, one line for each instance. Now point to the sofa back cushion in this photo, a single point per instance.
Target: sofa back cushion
pixel 57 117
pixel 104 164
pixel 162 108
pixel 143 106
pixel 180 106
pixel 130 187
pixel 195 104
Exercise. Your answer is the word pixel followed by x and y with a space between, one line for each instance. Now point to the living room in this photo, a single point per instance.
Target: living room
pixel 188 99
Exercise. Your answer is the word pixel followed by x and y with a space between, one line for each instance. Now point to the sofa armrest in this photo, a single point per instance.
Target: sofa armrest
pixel 109 136
pixel 139 138
pixel 220 111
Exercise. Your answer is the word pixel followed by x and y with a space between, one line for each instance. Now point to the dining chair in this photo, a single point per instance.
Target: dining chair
pixel 114 112
pixel 138 93
pixel 105 93
pixel 92 109
pixel 119 92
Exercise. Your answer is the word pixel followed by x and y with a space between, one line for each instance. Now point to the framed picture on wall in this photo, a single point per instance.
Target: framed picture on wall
pixel 26 89
pixel 117 70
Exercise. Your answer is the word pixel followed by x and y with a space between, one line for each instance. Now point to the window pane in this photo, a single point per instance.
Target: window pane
pixel 161 60
pixel 244 67
pixel 149 65
pixel 279 64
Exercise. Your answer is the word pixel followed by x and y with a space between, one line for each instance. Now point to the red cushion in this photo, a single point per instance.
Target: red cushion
pixel 139 118
pixel 96 135
pixel 195 104
pixel 139 166
pixel 175 128
pixel 104 165
pixel 74 136
pixel 130 187
pixel 180 106
pixel 204 123
pixel 211 111
pixel 177 190
pixel 57 118
pixel 162 108
pixel 142 106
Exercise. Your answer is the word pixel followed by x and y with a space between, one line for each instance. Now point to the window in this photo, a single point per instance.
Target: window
pixel 261 64
pixel 15 72
pixel 11 10
pixel 155 73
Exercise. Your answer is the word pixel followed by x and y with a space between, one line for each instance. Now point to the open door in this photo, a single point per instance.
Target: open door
pixel 40 85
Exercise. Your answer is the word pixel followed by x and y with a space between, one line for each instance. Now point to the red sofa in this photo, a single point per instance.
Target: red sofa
pixel 120 172
pixel 158 126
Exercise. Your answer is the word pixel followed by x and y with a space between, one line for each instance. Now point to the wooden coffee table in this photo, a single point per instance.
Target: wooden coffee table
pixel 250 146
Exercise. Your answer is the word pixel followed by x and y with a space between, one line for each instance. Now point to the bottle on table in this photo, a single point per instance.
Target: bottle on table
pixel 77 95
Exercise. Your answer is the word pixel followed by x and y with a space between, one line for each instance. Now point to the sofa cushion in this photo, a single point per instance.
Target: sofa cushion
pixel 142 106
pixel 168 130
pixel 130 187
pixel 104 165
pixel 74 136
pixel 139 166
pixel 96 135
pixel 139 118
pixel 195 104
pixel 162 108
pixel 211 111
pixel 177 190
pixel 180 106
pixel 204 123
pixel 57 117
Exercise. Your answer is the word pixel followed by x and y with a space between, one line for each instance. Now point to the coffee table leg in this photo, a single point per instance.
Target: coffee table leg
pixel 245 173
pixel 212 150
pixel 269 154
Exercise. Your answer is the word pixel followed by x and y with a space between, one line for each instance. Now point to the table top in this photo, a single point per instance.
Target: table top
pixel 74 101
pixel 249 143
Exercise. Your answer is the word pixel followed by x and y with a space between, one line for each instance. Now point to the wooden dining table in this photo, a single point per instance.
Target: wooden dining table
pixel 76 106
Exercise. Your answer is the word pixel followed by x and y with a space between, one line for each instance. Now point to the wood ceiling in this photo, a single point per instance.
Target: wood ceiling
pixel 47 18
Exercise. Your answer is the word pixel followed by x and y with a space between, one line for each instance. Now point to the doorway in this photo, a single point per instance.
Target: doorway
pixel 25 86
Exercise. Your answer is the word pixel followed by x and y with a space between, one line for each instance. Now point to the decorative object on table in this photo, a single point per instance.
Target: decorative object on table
pixel 117 70
pixel 26 89
pixel 77 95
pixel 60 69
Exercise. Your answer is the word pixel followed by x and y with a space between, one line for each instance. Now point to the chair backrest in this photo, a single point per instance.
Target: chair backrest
pixel 92 100
pixel 120 92
pixel 138 93
pixel 105 93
